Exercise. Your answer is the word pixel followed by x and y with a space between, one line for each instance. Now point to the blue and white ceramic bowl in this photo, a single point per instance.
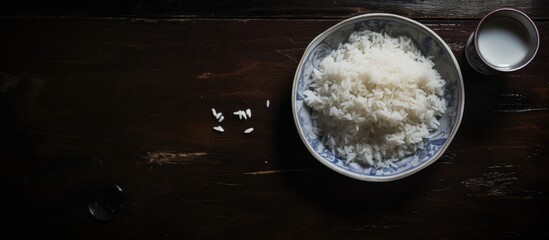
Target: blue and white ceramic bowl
pixel 430 44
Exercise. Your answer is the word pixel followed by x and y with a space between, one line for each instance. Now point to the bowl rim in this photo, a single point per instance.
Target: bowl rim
pixel 406 173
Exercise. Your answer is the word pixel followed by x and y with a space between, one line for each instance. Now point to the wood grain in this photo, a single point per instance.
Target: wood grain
pixel 86 101
pixel 424 9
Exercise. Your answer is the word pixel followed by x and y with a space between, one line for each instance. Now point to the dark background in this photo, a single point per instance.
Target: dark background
pixel 294 9
pixel 97 94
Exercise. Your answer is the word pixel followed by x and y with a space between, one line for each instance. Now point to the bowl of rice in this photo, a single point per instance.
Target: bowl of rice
pixel 377 97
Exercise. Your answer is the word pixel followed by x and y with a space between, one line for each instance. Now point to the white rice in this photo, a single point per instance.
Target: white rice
pixel 268 103
pixel 249 130
pixel 241 114
pixel 216 114
pixel 375 99
pixel 219 129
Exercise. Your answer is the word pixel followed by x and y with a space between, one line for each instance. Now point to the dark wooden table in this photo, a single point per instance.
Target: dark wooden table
pixel 95 93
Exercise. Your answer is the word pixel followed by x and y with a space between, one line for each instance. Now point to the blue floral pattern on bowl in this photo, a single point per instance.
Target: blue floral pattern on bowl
pixel 429 44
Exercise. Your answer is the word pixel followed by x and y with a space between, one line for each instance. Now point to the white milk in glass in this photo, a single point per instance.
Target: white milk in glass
pixel 503 42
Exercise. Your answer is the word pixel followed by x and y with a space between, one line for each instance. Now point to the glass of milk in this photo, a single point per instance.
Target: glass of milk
pixel 505 40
